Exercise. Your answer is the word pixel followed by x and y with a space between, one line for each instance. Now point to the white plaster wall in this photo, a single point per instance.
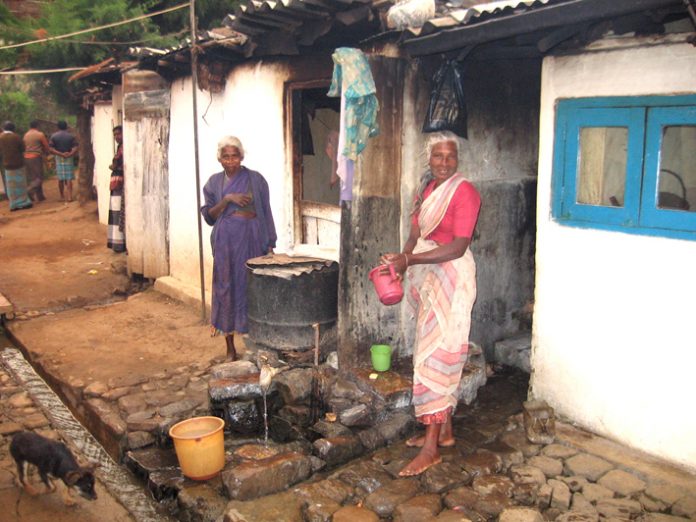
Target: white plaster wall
pixel 251 108
pixel 104 149
pixel 613 343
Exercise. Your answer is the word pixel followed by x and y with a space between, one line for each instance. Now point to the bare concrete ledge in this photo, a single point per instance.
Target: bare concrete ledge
pixel 187 294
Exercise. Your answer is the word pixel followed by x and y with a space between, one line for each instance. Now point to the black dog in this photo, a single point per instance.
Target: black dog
pixel 51 457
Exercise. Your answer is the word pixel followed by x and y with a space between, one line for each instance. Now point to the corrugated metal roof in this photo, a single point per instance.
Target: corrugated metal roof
pixel 454 16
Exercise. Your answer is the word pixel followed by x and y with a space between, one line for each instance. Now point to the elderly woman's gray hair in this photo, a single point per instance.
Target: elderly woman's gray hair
pixel 230 141
pixel 438 137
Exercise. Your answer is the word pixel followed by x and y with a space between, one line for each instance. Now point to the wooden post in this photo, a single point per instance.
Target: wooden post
pixel 86 164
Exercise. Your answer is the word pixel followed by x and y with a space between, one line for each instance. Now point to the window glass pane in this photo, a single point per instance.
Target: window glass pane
pixel 601 176
pixel 677 175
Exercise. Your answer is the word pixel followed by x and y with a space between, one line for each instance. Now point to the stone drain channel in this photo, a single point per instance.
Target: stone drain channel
pixel 116 480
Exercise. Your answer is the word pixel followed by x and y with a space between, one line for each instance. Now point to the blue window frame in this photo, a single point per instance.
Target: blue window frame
pixel 627 163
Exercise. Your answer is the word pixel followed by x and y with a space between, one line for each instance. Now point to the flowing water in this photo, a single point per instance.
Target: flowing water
pixel 265 419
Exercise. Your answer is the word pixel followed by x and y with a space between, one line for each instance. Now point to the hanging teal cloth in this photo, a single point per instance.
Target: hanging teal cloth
pixel 352 79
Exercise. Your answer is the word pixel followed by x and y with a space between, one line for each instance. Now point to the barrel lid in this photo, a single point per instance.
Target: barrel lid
pixel 285 266
pixel 281 260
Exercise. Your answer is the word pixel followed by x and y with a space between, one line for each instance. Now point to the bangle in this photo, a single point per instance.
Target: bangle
pixel 406 256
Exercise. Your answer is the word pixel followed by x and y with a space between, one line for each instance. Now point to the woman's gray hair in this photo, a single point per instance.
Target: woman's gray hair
pixel 439 137
pixel 230 141
pixel 433 139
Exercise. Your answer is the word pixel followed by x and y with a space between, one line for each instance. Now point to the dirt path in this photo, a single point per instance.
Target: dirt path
pixel 54 256
pixel 56 270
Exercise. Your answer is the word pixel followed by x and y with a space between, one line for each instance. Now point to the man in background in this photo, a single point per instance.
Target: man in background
pixel 64 146
pixel 11 150
pixel 35 147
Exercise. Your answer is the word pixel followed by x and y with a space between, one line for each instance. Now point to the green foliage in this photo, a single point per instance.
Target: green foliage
pixel 19 107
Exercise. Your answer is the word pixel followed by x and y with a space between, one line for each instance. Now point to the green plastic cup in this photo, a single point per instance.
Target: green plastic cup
pixel 381 357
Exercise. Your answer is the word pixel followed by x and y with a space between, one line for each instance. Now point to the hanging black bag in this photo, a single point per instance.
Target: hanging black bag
pixel 447 107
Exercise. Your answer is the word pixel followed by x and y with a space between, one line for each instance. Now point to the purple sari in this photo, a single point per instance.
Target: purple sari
pixel 235 240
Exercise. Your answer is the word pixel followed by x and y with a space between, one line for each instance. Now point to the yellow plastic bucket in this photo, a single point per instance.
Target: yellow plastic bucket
pixel 200 446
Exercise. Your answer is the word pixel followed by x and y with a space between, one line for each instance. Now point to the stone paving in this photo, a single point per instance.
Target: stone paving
pixel 493 472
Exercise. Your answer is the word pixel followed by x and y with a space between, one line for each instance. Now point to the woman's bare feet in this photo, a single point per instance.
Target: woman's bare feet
pixel 418 442
pixel 423 461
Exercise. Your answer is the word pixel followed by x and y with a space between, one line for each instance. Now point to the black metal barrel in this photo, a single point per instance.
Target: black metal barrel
pixel 286 296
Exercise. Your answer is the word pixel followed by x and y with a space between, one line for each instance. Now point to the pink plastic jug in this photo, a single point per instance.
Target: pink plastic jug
pixel 388 286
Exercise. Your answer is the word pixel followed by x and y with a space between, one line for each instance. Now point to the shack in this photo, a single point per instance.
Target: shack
pixel 546 82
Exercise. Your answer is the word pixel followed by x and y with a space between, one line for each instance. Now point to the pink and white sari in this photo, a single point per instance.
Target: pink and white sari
pixel 441 296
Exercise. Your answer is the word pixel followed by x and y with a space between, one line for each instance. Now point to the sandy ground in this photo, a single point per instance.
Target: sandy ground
pixel 54 256
pixel 46 256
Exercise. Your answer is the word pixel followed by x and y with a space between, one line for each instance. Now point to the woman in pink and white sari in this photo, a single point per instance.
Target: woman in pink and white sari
pixel 442 276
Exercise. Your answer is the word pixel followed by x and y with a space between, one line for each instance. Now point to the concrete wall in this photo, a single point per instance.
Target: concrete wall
pixel 104 150
pixel 613 343
pixel 251 108
pixel 499 157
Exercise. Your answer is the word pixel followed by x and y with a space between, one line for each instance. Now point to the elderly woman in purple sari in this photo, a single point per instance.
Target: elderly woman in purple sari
pixel 237 207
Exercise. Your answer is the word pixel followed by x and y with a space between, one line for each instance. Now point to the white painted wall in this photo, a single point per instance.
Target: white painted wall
pixel 104 149
pixel 251 108
pixel 613 344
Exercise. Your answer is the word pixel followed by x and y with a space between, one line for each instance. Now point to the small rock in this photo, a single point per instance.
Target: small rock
pixel 520 514
pixel 558 451
pixel 544 495
pixel 355 514
pixel 330 429
pixel 594 493
pixel 560 496
pixel 588 466
pixel 665 493
pixel 365 475
pixel 444 477
pixel 385 500
pixel 455 516
pixel 231 369
pixel 551 467
pixel 623 483
pixel 320 510
pixel 332 489
pixel 95 389
pixel 243 417
pixel 345 389
pixel 175 409
pixel 239 388
pixel 509 455
pixel 580 503
pixel 652 505
pixel 295 386
pixel 8 428
pixel 518 440
pixel 254 479
pixel 526 474
pixel 116 393
pixel 130 380
pixel 488 484
pixel 482 462
pixel 493 504
pixel 418 508
pixel 359 415
pixel 20 400
pixel 34 421
pixel 337 450
pixel 461 497
pixel 396 426
pixel 575 483
pixel 139 439
pixel 685 506
pixel 618 508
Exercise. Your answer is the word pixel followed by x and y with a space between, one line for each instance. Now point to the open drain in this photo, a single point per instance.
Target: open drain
pixel 117 481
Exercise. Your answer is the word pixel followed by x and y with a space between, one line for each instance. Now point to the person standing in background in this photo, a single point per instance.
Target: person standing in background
pixel 35 147
pixel 11 150
pixel 64 146
pixel 116 233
